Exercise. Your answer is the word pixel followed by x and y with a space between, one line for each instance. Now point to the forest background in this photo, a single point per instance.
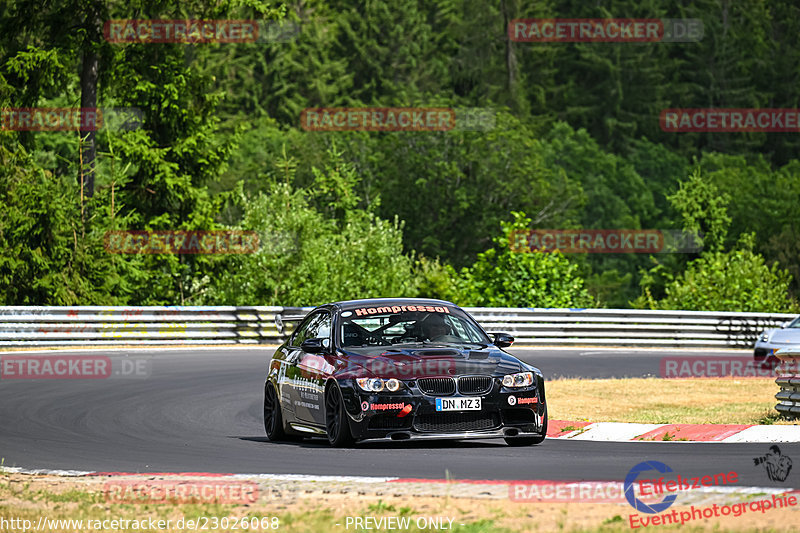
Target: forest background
pixel 573 140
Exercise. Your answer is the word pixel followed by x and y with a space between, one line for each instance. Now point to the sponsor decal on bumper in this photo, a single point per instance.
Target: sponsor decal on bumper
pixel 513 400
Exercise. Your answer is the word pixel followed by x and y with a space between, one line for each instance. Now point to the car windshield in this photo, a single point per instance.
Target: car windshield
pixel 794 323
pixel 384 326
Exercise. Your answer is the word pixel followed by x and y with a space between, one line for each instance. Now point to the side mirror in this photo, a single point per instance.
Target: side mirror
pixel 503 340
pixel 313 345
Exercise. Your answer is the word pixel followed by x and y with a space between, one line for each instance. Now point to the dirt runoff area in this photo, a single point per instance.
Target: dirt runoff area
pixel 304 504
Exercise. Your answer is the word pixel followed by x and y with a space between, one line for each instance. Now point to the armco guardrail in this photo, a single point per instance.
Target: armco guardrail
pixel 60 326
pixel 629 327
pixel 42 326
pixel 789 382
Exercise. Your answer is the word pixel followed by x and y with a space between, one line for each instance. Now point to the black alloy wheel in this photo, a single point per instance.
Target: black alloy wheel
pixel 336 420
pixel 273 420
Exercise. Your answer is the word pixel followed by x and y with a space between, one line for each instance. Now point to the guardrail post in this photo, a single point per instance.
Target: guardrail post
pixel 789 381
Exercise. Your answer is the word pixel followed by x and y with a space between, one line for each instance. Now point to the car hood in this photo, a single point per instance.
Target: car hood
pixel 785 336
pixel 431 360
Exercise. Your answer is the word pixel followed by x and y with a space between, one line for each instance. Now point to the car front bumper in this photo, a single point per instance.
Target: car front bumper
pixel 764 352
pixel 409 414
pixel 492 434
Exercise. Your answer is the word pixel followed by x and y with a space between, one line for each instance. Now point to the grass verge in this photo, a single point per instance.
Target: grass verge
pixel 665 401
pixel 25 497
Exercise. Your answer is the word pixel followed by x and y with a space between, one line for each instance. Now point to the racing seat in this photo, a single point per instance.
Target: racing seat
pixel 434 326
pixel 352 335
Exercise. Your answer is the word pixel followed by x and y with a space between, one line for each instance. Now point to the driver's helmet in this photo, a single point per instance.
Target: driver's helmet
pixel 434 326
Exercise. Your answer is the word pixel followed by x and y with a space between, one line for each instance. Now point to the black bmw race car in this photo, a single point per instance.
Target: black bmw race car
pixel 400 369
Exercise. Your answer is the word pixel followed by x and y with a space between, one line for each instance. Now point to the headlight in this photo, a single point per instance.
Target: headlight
pixel 522 379
pixel 377 384
pixel 764 337
pixel 370 384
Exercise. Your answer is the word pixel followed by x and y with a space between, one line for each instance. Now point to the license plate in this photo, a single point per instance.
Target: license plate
pixel 458 404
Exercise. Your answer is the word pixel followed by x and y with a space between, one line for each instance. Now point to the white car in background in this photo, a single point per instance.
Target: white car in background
pixel 773 340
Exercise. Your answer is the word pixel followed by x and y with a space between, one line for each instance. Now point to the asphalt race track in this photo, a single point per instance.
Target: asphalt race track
pixel 201 412
pixel 604 363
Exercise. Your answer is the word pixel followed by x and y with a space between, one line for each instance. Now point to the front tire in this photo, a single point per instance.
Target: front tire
pixel 529 441
pixel 336 419
pixel 273 418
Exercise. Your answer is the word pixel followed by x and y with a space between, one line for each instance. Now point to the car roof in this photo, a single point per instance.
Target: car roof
pixel 383 302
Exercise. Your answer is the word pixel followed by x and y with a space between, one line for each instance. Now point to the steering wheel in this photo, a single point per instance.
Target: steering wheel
pixel 379 338
pixel 404 339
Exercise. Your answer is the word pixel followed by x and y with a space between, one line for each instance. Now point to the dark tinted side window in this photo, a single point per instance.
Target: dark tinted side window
pixel 305 330
pixel 323 330
pixel 319 325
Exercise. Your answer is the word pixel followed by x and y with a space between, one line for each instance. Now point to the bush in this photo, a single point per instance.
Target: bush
pixel 739 280
pixel 504 278
pixel 313 255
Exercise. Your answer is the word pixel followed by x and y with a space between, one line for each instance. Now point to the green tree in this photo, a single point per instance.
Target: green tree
pixel 703 210
pixel 739 280
pixel 52 252
pixel 454 188
pixel 57 53
pixel 435 280
pixel 308 256
pixel 616 196
pixel 504 278
pixel 762 200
